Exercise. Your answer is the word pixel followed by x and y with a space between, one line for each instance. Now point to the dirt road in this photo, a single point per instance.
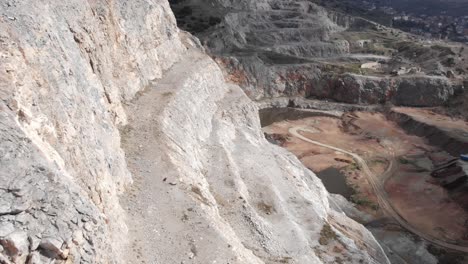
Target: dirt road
pixel 377 184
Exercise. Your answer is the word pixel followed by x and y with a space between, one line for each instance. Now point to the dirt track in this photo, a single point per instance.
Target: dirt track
pixel 377 185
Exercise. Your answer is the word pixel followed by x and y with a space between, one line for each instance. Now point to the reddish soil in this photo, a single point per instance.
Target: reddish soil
pixel 411 189
pixel 426 205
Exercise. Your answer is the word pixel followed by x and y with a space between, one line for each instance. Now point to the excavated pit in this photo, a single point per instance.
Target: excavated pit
pixel 269 116
pixel 402 147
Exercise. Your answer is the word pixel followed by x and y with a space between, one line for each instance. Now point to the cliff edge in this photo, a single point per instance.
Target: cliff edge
pixel 208 186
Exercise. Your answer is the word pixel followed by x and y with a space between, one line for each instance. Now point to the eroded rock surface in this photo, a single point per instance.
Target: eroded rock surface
pixel 66 67
pixel 210 188
pixel 208 185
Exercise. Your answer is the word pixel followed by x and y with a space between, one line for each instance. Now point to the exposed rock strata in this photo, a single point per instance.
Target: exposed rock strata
pixel 296 48
pixel 66 70
pixel 453 140
pixel 261 81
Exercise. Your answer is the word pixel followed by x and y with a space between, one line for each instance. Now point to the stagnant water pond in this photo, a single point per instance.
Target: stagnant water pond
pixel 333 179
pixel 335 182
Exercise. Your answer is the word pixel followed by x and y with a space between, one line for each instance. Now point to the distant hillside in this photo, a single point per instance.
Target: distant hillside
pixel 429 7
pixel 356 8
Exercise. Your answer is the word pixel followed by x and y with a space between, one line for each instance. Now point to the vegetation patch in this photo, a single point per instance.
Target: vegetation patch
pixel 403 160
pixel 360 200
pixel 353 166
pixel 412 162
pixel 327 234
pixel 364 201
pixel 443 51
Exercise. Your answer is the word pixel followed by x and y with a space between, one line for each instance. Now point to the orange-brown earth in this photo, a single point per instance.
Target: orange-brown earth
pixel 411 189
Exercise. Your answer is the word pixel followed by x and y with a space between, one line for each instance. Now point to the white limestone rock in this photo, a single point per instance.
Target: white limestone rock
pixel 67 68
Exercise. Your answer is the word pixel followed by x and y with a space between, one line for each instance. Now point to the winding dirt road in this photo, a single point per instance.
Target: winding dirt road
pixel 377 185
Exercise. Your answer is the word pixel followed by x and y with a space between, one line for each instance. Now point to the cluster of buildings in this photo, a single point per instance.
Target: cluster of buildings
pixel 442 26
pixel 435 27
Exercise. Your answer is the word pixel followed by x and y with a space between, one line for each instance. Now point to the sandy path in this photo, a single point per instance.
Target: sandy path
pixel 155 206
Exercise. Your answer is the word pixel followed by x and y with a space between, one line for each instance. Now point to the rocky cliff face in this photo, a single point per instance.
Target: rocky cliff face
pixel 223 185
pixel 307 80
pixel 67 70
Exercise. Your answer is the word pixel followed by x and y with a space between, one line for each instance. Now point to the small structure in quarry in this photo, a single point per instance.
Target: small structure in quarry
pixel 371 65
pixel 464 157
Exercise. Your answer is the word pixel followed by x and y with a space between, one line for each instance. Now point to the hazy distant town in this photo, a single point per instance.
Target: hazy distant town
pixel 432 26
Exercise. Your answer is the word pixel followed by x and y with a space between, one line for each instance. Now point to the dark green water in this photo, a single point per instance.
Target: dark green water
pixel 335 182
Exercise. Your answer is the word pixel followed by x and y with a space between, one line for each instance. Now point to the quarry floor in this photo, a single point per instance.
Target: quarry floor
pixel 380 142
